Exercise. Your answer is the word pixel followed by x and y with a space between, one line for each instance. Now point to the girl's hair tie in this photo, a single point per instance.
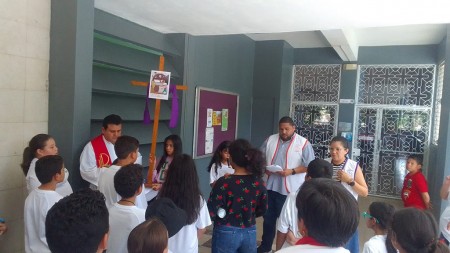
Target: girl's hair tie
pixel 432 241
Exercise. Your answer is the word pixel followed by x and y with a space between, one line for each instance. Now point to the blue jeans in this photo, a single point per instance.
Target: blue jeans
pixel 233 239
pixel 353 244
pixel 275 204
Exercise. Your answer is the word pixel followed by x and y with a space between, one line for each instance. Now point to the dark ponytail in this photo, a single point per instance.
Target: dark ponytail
pixel 29 153
pixel 244 155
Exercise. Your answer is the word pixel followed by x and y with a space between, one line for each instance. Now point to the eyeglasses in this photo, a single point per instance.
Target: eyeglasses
pixel 368 216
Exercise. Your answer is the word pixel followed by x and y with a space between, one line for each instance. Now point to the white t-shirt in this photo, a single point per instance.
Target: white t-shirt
pixel 122 219
pixel 444 220
pixel 288 219
pixel 62 188
pixel 221 171
pixel 106 186
pixel 186 241
pixel 376 244
pixel 306 248
pixel 88 163
pixel 37 205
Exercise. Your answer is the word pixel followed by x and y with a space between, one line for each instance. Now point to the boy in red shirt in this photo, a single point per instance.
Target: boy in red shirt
pixel 415 188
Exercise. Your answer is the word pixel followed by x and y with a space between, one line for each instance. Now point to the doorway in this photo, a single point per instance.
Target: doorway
pixel 392 121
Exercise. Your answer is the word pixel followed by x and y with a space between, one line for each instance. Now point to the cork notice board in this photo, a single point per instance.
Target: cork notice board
pixel 216 119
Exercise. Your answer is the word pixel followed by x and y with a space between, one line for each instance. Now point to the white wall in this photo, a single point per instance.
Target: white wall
pixel 24 63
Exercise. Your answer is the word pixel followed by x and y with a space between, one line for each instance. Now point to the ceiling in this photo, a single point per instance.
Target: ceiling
pixel 343 25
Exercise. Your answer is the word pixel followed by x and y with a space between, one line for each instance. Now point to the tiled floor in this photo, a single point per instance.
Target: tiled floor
pixel 364 233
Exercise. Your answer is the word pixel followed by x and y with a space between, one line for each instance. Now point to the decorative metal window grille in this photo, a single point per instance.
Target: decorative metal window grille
pixel 396 85
pixel 437 102
pixel 314 104
pixel 393 117
pixel 316 83
pixel 317 124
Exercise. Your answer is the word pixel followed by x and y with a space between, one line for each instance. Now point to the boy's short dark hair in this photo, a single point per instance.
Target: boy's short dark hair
pixel 111 119
pixel 417 158
pixel 329 211
pixel 286 119
pixel 125 145
pixel 128 180
pixel 319 168
pixel 77 223
pixel 47 167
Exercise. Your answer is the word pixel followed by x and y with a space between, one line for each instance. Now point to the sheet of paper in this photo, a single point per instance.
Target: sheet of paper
pixel 159 85
pixel 224 119
pixel 209 140
pixel 274 168
pixel 209 116
pixel 217 118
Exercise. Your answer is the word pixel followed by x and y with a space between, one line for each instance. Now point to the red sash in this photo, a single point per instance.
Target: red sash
pixel 101 152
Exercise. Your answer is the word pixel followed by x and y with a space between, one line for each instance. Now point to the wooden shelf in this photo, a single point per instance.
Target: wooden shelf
pixel 124 43
pixel 116 67
pixel 118 93
pixel 128 107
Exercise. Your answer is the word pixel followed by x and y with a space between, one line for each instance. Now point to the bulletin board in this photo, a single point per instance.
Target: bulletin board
pixel 216 119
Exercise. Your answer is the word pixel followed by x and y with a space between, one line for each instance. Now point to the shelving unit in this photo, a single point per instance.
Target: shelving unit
pixel 116 62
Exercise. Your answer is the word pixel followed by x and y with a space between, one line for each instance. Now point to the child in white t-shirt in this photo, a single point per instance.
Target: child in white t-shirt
pixel 182 187
pixel 127 151
pixel 39 146
pixel 378 218
pixel 219 165
pixel 124 216
pixel 49 171
pixel 287 223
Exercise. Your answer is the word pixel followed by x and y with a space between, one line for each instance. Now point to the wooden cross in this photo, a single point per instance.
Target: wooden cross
pixel 155 124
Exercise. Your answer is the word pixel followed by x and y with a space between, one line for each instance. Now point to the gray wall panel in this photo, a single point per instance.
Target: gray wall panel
pixel 70 79
pixel 223 63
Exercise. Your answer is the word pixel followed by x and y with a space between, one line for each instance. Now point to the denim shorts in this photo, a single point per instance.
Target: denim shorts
pixel 234 239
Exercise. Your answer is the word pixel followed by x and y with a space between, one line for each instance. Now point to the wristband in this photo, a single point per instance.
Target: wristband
pixel 293 172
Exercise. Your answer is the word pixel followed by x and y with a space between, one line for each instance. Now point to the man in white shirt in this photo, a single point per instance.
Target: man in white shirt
pixel 99 152
pixel 291 153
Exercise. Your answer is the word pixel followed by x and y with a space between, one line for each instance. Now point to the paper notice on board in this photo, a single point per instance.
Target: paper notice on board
pixel 217 118
pixel 209 140
pixel 209 117
pixel 224 119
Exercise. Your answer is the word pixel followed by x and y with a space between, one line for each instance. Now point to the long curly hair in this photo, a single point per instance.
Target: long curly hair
pixel 182 186
pixel 177 149
pixel 244 155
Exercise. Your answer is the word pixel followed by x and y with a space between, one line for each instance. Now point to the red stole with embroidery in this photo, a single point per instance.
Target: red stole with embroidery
pixel 101 152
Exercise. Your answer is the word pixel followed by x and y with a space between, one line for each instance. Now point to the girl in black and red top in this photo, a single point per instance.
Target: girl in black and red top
pixel 236 200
